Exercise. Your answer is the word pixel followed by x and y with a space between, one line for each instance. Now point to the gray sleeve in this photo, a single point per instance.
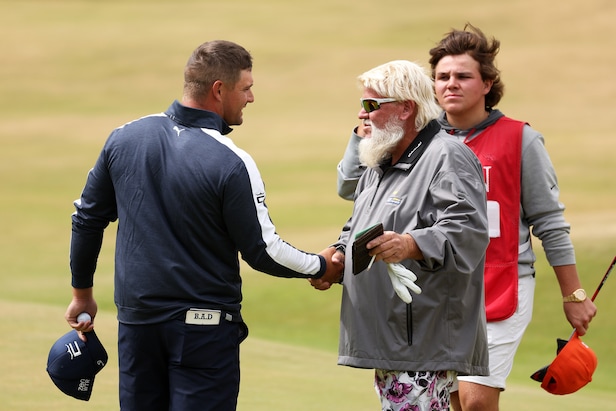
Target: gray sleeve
pixel 349 168
pixel 541 209
pixel 458 238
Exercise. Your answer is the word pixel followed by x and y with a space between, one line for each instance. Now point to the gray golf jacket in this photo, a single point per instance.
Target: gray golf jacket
pixel 441 203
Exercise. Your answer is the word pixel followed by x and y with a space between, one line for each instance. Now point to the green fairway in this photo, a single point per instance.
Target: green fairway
pixel 74 70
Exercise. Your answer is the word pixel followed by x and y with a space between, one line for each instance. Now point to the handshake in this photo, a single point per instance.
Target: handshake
pixel 334 271
pixel 402 279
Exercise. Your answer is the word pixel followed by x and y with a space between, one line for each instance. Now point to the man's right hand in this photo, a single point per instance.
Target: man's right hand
pixel 363 128
pixel 83 301
pixel 334 271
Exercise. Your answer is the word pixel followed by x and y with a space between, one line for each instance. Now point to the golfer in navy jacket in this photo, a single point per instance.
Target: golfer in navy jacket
pixel 187 200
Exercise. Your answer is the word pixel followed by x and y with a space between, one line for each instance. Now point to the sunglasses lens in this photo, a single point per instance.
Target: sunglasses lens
pixel 370 105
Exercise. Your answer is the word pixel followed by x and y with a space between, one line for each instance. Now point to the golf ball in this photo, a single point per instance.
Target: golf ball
pixel 83 317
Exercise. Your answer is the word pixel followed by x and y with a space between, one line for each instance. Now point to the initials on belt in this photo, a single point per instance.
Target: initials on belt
pixel 197 316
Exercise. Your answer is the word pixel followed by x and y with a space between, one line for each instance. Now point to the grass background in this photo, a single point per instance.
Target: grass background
pixel 73 70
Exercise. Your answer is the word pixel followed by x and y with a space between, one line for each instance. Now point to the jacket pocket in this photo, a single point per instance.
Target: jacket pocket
pixel 409 324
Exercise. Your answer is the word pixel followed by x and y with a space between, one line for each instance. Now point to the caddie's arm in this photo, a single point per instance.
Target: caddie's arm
pixel 578 313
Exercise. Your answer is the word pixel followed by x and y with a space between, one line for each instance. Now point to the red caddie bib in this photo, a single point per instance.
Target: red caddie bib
pixel 499 149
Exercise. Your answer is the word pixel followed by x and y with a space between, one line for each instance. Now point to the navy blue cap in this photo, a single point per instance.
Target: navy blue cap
pixel 72 363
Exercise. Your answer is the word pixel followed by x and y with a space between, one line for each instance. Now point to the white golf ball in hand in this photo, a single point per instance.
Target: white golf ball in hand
pixel 83 317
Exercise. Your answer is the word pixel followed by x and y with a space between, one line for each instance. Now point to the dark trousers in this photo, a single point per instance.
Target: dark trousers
pixel 174 366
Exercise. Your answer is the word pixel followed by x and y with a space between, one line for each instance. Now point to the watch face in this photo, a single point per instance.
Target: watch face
pixel 580 294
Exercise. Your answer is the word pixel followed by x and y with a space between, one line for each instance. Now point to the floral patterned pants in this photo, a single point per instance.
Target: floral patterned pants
pixel 414 391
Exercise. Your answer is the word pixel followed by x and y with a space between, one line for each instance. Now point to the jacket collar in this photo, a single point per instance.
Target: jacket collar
pixel 193 117
pixel 415 149
pixel 417 146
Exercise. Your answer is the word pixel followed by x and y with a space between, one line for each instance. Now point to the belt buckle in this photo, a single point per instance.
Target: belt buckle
pixel 198 316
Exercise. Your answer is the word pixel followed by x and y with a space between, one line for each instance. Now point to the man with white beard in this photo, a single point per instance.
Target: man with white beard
pixel 429 195
pixel 373 151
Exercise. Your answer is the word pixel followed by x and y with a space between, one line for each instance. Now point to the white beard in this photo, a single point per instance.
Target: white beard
pixel 378 148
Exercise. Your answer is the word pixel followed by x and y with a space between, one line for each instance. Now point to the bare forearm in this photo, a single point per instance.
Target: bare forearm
pixel 568 278
pixel 579 314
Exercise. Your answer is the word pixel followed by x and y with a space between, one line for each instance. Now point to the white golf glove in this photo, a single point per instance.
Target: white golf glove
pixel 401 278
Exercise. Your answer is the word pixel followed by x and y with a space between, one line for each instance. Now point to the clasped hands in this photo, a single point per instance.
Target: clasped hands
pixel 390 247
pixel 333 272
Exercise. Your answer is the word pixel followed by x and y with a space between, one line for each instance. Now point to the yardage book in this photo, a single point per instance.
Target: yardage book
pixel 360 255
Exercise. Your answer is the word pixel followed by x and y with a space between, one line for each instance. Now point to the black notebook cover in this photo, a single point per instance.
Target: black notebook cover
pixel 361 258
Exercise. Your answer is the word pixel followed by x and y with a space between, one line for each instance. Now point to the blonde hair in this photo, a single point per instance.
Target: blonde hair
pixel 404 80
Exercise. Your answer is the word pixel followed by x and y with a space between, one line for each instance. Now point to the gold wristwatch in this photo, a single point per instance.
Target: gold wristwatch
pixel 577 296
